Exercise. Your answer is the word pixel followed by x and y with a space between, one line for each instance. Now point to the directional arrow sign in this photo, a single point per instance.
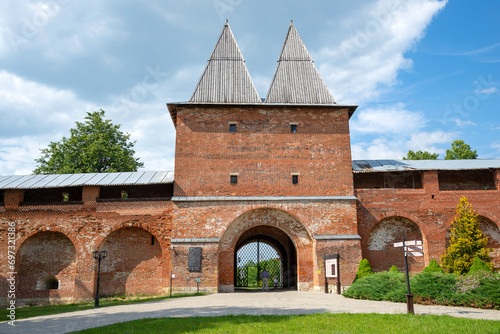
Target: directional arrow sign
pixel 414 248
pixel 415 254
pixel 413 243
pixel 408 243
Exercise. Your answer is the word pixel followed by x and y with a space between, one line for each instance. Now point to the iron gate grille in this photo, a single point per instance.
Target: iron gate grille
pixel 252 258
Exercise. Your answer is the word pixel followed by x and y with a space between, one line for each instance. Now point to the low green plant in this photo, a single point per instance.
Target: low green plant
pixel 394 269
pixel 479 265
pixel 433 267
pixel 379 286
pixel 481 289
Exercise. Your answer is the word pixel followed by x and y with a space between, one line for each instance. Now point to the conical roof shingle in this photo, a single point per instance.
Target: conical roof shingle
pixel 296 79
pixel 225 78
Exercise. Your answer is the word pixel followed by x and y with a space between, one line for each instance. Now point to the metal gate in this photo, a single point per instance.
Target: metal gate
pixel 253 256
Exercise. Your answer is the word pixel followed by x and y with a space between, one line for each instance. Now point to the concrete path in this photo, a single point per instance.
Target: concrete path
pixel 255 303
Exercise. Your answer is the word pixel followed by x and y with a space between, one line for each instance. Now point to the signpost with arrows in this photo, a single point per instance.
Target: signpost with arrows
pixel 411 248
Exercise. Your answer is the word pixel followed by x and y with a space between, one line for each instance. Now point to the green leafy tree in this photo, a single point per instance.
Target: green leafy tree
pixel 364 269
pixel 420 155
pixel 467 241
pixel 95 146
pixel 460 150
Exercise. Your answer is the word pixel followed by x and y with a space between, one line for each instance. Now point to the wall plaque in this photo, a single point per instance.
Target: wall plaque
pixel 194 261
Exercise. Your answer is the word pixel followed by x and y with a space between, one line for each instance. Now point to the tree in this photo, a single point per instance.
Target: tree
pixel 467 241
pixel 433 267
pixel 364 269
pixel 460 150
pixel 95 146
pixel 420 155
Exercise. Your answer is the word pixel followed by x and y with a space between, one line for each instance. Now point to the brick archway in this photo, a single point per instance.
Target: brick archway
pixel 265 247
pixel 272 221
pixel 43 254
pixel 381 252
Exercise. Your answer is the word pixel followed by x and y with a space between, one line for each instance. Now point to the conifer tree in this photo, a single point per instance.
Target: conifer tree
pixel 364 269
pixel 467 241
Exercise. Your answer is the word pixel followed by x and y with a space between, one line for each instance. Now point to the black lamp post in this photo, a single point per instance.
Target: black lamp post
pixel 98 255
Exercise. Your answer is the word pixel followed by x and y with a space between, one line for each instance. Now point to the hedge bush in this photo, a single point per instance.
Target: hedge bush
pixel 480 289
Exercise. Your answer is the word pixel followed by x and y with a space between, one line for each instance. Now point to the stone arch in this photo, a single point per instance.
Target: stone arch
pixel 147 227
pixel 277 254
pixel 58 229
pixel 290 226
pixel 134 264
pixel 381 252
pixel 46 254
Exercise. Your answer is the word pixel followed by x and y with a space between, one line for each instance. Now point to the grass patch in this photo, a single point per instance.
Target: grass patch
pixel 35 311
pixel 481 290
pixel 315 323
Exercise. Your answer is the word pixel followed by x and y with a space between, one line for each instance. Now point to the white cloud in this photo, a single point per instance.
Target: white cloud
pixel 486 91
pixel 373 55
pixel 379 148
pixel 387 120
pixel 462 124
pixel 426 141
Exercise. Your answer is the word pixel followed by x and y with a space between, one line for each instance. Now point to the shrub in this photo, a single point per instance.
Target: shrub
pixel 433 267
pixel 394 269
pixel 433 286
pixel 379 286
pixel 364 269
pixel 479 265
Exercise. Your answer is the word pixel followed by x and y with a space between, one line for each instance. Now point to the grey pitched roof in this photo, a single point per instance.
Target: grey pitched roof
pixel 296 79
pixel 84 179
pixel 225 78
pixel 370 166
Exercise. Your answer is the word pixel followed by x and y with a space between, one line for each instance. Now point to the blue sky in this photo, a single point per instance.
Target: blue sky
pixel 423 72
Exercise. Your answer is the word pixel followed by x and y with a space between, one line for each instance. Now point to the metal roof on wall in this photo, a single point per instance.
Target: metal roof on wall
pixel 370 166
pixel 84 179
pixel 146 178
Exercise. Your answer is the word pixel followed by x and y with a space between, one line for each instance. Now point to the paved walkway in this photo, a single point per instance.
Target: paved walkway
pixel 256 303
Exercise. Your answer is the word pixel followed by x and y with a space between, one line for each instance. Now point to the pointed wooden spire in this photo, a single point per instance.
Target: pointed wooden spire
pixel 296 79
pixel 225 78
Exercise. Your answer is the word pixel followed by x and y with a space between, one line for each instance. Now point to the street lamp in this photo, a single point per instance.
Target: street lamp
pixel 98 255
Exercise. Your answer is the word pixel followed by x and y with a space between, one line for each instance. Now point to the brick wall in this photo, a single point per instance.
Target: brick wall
pixel 58 240
pixel 430 211
pixel 263 151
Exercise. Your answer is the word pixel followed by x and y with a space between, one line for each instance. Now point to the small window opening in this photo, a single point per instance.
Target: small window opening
pixel 124 194
pixel 48 283
pixel 232 127
pixel 295 179
pixel 152 240
pixel 65 197
pixel 293 128
pixel 234 179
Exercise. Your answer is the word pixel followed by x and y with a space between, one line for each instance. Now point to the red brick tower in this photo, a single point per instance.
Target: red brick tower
pixel 276 172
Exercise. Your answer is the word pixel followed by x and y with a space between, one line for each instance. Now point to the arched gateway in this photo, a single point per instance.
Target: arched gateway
pixel 265 238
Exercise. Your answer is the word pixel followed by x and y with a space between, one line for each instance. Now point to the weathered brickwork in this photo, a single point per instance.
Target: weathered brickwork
pixel 263 151
pixel 427 213
pixel 58 241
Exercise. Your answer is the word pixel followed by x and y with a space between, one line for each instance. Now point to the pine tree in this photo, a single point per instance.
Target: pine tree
pixel 364 269
pixel 467 241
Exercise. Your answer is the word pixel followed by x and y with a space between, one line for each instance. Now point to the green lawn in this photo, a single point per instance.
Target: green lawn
pixel 316 323
pixel 35 311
